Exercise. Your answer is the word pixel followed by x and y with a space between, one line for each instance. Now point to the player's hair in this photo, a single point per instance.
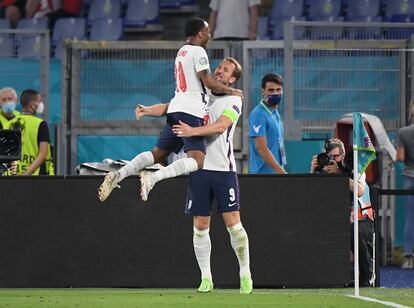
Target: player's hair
pixel 5 89
pixel 336 143
pixel 272 77
pixel 237 67
pixel 28 96
pixel 193 26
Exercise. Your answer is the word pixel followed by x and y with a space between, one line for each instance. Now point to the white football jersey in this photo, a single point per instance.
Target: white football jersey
pixel 190 93
pixel 219 151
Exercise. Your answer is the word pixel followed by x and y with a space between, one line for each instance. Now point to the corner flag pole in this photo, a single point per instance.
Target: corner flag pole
pixel 356 233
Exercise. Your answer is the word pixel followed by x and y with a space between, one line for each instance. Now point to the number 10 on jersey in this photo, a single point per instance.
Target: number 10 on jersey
pixel 180 78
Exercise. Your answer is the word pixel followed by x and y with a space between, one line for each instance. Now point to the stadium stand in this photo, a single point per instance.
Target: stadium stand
pixel 364 33
pixel 398 7
pixel 364 8
pixel 322 10
pixel 29 45
pixel 139 13
pixel 67 28
pixel 104 9
pixel 106 29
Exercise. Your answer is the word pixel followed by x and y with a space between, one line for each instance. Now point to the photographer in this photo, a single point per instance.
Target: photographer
pixel 334 160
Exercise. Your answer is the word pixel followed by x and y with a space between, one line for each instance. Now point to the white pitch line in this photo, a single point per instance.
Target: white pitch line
pixel 369 299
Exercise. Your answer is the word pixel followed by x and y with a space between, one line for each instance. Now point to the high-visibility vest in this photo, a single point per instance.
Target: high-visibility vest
pixel 29 126
pixel 4 121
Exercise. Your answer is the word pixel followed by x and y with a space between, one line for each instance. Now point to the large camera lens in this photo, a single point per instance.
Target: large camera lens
pixel 323 159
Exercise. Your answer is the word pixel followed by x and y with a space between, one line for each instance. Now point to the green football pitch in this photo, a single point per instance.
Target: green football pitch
pixel 190 298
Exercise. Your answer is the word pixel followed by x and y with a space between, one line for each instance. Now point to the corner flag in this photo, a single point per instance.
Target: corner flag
pixel 364 147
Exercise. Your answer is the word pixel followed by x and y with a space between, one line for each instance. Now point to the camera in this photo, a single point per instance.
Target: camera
pixel 323 159
pixel 10 148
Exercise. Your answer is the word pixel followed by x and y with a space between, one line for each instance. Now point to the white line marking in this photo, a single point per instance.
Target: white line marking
pixel 369 299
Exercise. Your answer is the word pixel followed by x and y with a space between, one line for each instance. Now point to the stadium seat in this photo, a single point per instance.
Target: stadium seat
pixel 69 28
pixel 141 12
pixel 398 7
pixel 323 9
pixel 277 28
pixel 104 9
pixel 364 33
pixel 106 29
pixel 363 8
pixel 6 47
pixel 32 23
pixel 287 8
pixel 402 33
pixel 327 33
pixel 30 45
pixel 263 28
pixel 4 23
pixel 170 4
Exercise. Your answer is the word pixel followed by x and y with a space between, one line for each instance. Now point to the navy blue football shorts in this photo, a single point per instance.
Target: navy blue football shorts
pixel 205 186
pixel 168 141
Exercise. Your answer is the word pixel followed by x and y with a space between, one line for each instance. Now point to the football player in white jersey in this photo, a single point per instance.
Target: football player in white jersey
pixel 192 75
pixel 218 178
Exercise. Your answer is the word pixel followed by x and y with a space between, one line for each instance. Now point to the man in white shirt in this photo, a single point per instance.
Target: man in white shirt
pixel 193 76
pixel 234 19
pixel 218 178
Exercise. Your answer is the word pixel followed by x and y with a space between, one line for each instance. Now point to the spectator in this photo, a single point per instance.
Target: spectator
pixel 13 10
pixel 335 149
pixel 405 153
pixel 8 102
pixel 36 153
pixel 234 19
pixel 267 150
pixel 53 10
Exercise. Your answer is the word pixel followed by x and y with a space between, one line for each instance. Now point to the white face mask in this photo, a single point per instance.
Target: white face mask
pixel 40 108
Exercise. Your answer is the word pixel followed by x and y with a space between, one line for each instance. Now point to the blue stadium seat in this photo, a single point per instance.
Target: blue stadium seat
pixel 32 23
pixel 170 4
pixel 363 8
pixel 106 29
pixel 287 8
pixel 327 33
pixel 104 9
pixel 29 47
pixel 6 47
pixel 321 9
pixel 364 33
pixel 402 33
pixel 74 28
pixel 4 23
pixel 398 7
pixel 277 28
pixel 263 28
pixel 67 28
pixel 139 13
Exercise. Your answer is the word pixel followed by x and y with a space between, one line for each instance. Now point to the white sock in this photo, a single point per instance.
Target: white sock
pixel 179 167
pixel 139 162
pixel 202 249
pixel 240 243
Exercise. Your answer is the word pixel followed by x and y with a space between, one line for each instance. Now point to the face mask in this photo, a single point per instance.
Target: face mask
pixel 8 108
pixel 40 108
pixel 274 99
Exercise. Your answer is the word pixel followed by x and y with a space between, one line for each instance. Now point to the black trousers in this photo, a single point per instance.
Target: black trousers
pixel 366 232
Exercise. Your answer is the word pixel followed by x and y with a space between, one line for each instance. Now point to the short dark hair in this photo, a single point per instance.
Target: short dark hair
pixel 237 67
pixel 272 77
pixel 28 96
pixel 193 26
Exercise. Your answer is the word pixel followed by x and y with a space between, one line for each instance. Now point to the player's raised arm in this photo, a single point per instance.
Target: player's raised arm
pixel 216 86
pixel 156 110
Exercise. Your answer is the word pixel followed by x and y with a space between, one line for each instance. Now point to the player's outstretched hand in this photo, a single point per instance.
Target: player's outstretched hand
pixel 238 92
pixel 183 130
pixel 140 111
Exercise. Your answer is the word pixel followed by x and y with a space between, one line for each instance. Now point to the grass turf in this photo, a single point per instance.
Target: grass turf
pixel 190 298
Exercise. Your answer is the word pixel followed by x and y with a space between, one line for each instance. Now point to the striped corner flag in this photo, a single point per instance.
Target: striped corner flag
pixel 362 144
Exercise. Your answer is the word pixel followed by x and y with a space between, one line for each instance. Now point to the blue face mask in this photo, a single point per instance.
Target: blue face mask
pixel 274 99
pixel 8 108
